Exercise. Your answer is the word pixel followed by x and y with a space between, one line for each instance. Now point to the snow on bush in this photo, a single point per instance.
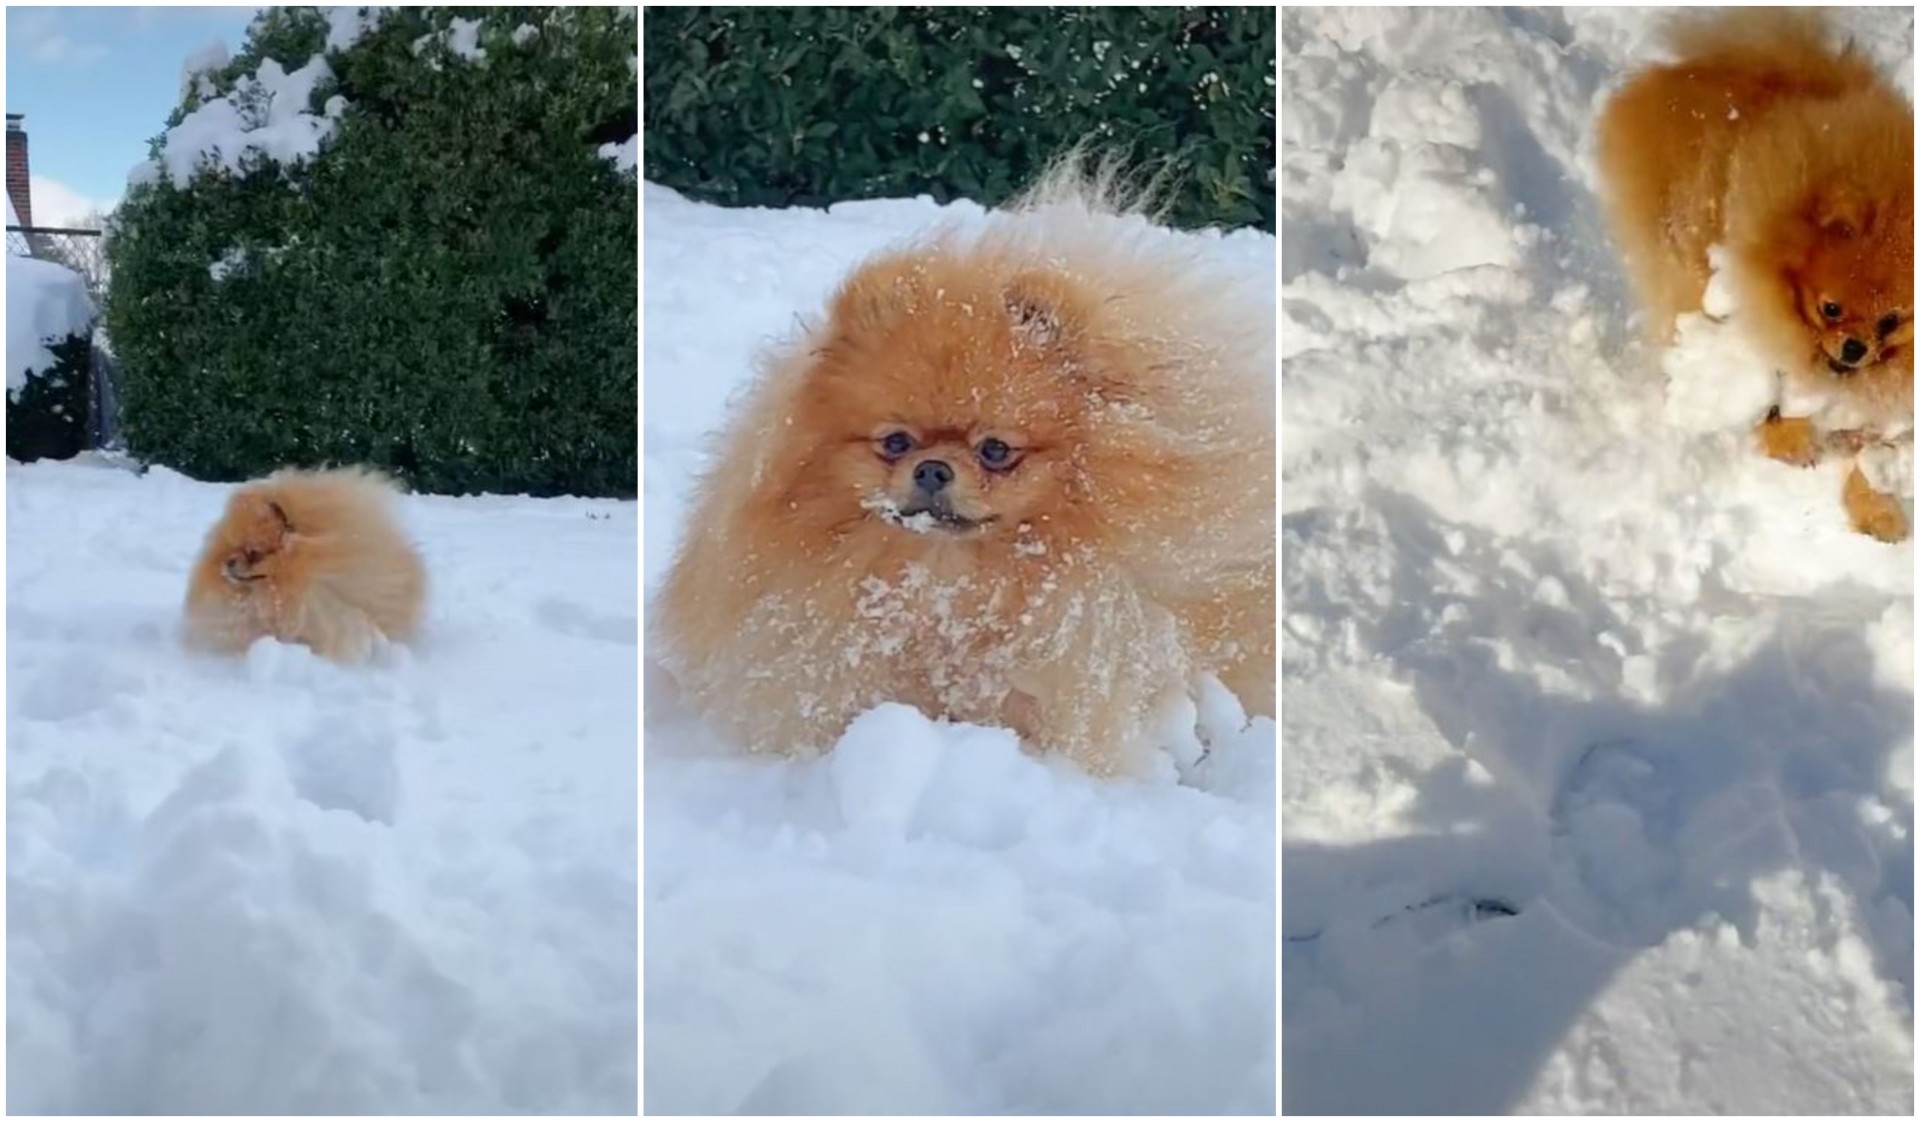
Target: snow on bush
pixel 196 70
pixel 46 305
pixel 486 342
pixel 625 156
pixel 346 25
pixel 265 117
pixel 461 37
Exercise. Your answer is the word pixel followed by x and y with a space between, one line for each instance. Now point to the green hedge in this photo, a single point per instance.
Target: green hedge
pixel 448 291
pixel 51 416
pixel 781 106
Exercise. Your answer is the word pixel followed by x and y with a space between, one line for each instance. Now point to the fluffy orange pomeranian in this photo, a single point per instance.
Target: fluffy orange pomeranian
pixel 1020 476
pixel 1794 155
pixel 309 557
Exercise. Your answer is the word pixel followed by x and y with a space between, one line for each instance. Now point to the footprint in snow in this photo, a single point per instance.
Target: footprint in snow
pixel 1648 840
pixel 570 618
pixel 74 687
pixel 346 763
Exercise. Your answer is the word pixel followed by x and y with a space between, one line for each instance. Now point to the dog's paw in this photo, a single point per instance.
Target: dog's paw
pixel 1874 513
pixel 1791 440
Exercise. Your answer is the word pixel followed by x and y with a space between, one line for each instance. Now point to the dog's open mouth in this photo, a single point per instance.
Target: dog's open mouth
pixel 927 519
pixel 1846 370
pixel 235 576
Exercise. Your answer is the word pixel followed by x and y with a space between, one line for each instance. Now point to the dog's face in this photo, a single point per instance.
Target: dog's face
pixel 945 401
pixel 252 541
pixel 1851 286
pixel 1857 313
pixel 952 475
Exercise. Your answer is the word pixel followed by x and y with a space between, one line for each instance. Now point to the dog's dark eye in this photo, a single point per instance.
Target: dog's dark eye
pixel 1830 310
pixel 996 454
pixel 1888 325
pixel 895 445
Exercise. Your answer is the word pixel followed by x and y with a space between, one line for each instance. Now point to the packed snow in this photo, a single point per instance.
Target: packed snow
pixel 927 920
pixel 46 304
pixel 272 885
pixel 1598 725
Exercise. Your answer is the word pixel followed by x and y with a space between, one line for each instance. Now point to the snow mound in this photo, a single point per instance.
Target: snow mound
pixel 929 920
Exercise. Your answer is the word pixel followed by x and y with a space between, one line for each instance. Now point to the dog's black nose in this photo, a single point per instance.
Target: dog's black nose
pixel 932 476
pixel 1853 351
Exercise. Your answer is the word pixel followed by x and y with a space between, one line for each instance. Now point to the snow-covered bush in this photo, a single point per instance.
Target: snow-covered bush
pixel 775 106
pixel 396 236
pixel 49 359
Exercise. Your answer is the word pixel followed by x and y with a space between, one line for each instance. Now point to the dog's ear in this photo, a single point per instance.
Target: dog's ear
pixel 1037 311
pixel 1050 318
pixel 1843 212
pixel 875 298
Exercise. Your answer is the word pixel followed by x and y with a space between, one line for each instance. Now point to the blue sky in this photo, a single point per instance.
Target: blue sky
pixel 96 84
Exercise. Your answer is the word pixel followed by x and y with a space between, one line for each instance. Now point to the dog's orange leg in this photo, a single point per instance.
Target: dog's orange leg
pixel 1873 512
pixel 1790 440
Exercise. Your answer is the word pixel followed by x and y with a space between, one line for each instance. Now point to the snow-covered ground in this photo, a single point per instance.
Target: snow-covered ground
pixel 1598 727
pixel 273 885
pixel 927 920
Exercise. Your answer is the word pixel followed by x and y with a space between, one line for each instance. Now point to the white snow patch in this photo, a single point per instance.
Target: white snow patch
pixel 461 36
pixel 625 156
pixel 200 62
pixel 229 262
pixel 463 39
pixel 1718 381
pixel 346 26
